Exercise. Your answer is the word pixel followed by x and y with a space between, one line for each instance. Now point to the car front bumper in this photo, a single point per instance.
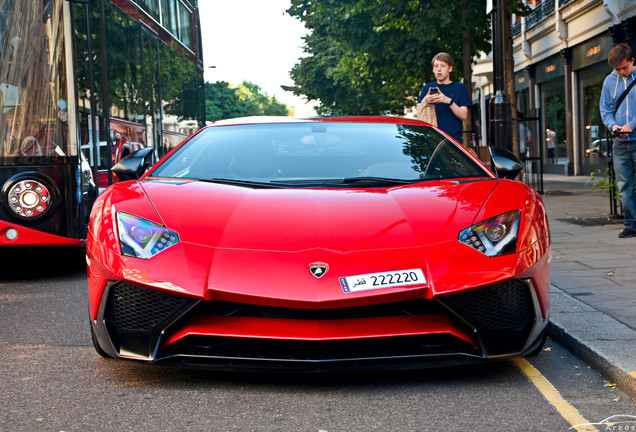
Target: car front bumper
pixel 495 322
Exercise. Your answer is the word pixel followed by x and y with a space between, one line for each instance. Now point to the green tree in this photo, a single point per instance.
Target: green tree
pixel 222 102
pixel 329 76
pixel 247 99
pixel 370 57
pixel 260 103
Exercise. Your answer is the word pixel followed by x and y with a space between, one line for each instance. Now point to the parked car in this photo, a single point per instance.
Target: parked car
pixel 598 147
pixel 318 244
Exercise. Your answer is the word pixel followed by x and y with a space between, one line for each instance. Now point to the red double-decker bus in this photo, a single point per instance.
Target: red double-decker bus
pixel 84 83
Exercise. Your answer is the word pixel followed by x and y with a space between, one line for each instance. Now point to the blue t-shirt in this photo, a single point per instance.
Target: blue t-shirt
pixel 446 120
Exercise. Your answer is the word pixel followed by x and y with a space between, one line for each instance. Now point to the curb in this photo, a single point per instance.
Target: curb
pixel 606 344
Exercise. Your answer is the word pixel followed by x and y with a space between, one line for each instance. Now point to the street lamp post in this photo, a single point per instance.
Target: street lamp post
pixel 500 115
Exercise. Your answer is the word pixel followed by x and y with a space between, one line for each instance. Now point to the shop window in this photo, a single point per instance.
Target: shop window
pixel 594 135
pixel 554 105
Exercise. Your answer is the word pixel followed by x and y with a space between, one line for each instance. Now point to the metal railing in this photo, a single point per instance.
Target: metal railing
pixel 542 11
pixel 515 29
pixel 616 210
pixel 533 164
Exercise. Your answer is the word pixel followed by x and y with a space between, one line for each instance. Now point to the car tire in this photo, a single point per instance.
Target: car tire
pixel 98 348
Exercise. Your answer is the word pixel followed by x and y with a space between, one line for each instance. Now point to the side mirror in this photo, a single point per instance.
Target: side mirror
pixel 505 163
pixel 134 165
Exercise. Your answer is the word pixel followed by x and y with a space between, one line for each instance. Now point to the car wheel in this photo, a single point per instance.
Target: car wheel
pixel 98 348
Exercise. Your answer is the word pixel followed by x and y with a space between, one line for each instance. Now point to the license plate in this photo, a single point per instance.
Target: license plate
pixel 382 280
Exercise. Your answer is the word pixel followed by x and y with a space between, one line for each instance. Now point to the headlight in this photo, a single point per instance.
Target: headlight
pixel 141 238
pixel 495 236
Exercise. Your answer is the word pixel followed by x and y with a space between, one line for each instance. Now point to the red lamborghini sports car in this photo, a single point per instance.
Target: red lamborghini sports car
pixel 318 244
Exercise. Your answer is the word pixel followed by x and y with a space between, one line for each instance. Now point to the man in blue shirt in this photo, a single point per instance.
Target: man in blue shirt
pixel 622 123
pixel 450 99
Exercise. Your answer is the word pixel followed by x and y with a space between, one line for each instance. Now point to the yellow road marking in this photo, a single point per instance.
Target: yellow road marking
pixel 552 395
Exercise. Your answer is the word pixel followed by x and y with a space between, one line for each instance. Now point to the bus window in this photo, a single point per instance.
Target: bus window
pixel 33 83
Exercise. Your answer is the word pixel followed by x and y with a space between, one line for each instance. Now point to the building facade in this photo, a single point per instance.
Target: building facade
pixel 560 53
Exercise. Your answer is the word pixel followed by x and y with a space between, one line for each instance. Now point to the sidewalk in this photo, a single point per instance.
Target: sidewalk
pixel 593 296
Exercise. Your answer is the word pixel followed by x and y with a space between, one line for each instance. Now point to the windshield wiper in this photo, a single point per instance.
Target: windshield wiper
pixel 381 180
pixel 245 183
pixel 368 181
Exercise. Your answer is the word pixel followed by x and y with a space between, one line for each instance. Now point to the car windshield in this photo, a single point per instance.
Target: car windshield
pixel 319 154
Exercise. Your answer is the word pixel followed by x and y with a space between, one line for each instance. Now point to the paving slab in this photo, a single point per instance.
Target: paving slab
pixel 593 293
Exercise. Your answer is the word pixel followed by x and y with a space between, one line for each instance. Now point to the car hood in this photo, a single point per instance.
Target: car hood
pixel 293 220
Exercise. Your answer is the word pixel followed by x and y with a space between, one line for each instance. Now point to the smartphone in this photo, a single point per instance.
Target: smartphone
pixel 434 90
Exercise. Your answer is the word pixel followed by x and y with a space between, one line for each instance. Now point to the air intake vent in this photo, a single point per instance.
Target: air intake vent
pixel 506 306
pixel 138 309
pixel 503 315
pixel 136 317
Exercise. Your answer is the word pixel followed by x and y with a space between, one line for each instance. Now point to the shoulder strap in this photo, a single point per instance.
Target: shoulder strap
pixel 624 95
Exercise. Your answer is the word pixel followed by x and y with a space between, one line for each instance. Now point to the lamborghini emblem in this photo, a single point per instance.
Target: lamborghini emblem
pixel 318 270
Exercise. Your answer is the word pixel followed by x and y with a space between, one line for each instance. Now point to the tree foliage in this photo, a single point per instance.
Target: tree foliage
pixel 223 101
pixel 371 57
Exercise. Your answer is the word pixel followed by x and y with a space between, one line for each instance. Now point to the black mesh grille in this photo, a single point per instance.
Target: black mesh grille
pixel 137 309
pixel 136 316
pixel 504 306
pixel 502 314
